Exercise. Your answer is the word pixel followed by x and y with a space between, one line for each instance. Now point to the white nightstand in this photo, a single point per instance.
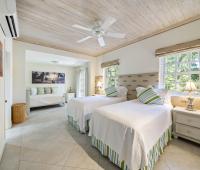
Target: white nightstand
pixel 186 124
pixel 69 96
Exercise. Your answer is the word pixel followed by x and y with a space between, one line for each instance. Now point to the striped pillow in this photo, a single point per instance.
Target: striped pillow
pixel 149 96
pixel 111 92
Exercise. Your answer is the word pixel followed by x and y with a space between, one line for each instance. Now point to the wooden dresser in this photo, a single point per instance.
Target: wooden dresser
pixel 186 124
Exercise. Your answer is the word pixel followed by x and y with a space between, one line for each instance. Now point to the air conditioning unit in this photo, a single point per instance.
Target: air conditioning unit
pixel 8 18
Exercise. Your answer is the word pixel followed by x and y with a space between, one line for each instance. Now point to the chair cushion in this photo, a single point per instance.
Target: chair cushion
pixel 40 90
pixel 33 91
pixel 47 90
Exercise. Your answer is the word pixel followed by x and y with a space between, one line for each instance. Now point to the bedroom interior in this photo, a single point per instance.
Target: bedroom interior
pixel 93 85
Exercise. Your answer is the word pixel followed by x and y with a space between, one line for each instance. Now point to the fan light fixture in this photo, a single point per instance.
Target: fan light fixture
pixel 99 31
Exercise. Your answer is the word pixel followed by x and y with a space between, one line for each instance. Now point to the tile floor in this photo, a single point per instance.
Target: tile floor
pixel 46 142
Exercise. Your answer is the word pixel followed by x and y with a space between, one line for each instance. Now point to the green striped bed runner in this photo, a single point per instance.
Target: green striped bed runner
pixel 153 154
pixel 74 124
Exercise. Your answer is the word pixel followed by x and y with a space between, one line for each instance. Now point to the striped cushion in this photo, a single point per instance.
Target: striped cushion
pixel 111 92
pixel 149 96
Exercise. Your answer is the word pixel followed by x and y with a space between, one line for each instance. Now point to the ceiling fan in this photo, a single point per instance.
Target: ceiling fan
pixel 99 31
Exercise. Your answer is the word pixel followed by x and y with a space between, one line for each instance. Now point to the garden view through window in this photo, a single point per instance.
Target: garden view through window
pixel 111 75
pixel 179 68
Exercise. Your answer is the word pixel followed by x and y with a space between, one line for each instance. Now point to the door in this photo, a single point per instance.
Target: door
pixel 2 98
pixel 7 84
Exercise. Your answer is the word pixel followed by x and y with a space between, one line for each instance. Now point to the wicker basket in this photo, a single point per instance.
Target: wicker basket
pixel 19 112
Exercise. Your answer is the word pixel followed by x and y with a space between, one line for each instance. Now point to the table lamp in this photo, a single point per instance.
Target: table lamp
pixel 190 87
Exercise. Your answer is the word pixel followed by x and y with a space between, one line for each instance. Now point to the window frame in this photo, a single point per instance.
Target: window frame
pixel 105 76
pixel 163 68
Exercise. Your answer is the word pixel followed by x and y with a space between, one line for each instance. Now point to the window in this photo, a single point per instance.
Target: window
pixel 177 69
pixel 111 75
pixel 81 83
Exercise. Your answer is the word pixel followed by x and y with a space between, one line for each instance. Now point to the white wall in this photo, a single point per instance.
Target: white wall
pixel 69 75
pixel 19 57
pixel 140 57
pixel 8 75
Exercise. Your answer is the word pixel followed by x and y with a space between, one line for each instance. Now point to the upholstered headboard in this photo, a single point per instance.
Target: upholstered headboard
pixel 132 81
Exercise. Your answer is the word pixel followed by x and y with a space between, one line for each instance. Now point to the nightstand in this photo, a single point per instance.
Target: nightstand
pixel 186 124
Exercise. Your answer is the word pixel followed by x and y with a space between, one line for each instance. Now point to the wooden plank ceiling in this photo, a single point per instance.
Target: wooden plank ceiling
pixel 49 22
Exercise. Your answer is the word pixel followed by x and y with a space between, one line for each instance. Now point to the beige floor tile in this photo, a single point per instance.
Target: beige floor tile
pixel 80 159
pixel 71 168
pixel 52 153
pixel 36 166
pixel 11 157
pixel 161 164
pixel 14 136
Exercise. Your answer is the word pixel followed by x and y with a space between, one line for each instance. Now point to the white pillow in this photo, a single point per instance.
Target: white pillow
pixel 122 91
pixel 139 90
pixel 33 91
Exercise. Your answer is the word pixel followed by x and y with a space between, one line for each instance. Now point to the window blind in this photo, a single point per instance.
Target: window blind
pixel 178 48
pixel 110 63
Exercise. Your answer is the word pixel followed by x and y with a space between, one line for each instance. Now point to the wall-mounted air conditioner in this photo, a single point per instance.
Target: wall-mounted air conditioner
pixel 8 18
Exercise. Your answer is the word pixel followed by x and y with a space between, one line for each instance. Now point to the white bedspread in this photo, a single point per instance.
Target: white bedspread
pixel 81 108
pixel 131 129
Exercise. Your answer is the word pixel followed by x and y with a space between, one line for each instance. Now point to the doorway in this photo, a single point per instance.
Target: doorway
pixel 2 95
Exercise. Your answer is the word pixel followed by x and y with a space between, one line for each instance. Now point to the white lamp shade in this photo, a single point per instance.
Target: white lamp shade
pixel 190 86
pixel 99 84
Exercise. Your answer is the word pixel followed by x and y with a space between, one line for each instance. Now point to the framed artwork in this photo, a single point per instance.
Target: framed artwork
pixel 39 77
pixel 1 60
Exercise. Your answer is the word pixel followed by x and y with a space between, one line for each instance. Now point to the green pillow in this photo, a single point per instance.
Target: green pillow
pixel 54 90
pixel 40 90
pixel 47 90
pixel 111 92
pixel 149 96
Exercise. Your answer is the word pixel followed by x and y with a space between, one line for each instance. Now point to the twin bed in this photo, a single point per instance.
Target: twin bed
pixel 80 109
pixel 131 134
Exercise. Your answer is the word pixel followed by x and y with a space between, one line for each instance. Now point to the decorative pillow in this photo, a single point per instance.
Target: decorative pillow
pixel 122 91
pixel 54 90
pixel 33 91
pixel 149 96
pixel 40 90
pixel 139 90
pixel 111 92
pixel 47 90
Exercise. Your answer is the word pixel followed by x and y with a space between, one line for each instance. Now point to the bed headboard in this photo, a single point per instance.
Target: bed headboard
pixel 132 81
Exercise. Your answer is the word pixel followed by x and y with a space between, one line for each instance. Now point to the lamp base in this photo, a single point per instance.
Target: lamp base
pixel 190 105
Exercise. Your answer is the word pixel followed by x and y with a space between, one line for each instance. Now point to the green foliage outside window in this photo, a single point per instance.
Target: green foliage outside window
pixel 111 75
pixel 181 68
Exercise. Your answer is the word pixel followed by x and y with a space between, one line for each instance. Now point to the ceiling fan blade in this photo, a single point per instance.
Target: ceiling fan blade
pixel 84 39
pixel 115 35
pixel 101 41
pixel 108 22
pixel 81 27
